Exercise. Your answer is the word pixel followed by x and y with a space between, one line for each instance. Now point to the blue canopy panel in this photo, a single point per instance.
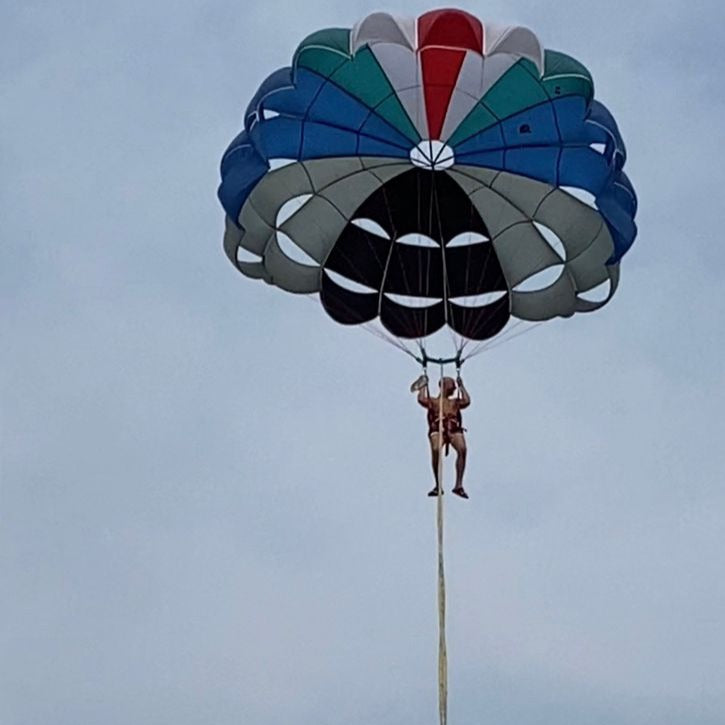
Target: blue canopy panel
pixel 311 118
pixel 241 168
pixel 314 98
pixel 618 206
pixel 533 127
pixel 277 81
pixel 603 128
pixel 563 142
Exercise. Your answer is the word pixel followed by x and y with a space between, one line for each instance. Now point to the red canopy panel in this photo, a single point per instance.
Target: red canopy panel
pixel 452 29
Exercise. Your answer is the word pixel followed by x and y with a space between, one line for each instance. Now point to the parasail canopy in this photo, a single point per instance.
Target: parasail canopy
pixel 430 172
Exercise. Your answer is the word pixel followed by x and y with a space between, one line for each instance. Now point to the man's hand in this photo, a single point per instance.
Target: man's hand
pixel 419 384
pixel 464 399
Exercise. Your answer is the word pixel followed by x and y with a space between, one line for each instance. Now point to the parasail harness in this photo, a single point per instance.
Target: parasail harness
pixel 452 422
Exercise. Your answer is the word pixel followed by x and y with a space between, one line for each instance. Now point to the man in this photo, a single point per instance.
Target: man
pixel 453 430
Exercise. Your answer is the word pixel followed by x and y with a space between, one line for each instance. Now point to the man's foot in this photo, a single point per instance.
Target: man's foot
pixel 434 491
pixel 460 491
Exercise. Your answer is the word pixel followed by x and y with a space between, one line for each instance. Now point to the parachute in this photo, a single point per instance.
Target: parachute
pixel 429 173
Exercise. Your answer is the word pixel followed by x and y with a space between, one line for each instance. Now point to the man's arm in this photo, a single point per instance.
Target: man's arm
pixel 464 399
pixel 424 397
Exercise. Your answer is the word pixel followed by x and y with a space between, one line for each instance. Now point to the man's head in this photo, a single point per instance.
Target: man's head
pixel 448 387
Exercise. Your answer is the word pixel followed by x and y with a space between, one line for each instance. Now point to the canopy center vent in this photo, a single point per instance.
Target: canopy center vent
pixel 432 155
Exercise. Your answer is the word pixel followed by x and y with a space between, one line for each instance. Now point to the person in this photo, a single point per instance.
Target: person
pixel 453 430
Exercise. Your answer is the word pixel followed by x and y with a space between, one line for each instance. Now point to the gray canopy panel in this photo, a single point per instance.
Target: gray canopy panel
pixel 512 206
pixel 373 236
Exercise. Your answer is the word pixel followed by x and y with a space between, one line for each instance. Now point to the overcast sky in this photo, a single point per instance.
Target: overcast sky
pixel 213 507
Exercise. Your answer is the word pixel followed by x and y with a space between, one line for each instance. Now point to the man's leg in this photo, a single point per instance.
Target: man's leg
pixel 458 441
pixel 435 452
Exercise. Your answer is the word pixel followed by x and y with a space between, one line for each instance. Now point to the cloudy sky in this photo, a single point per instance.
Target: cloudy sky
pixel 213 504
